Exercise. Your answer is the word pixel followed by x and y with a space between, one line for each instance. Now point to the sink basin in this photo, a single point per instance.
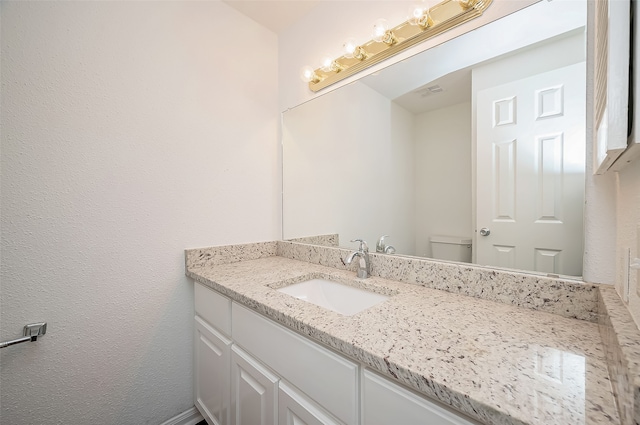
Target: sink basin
pixel 340 298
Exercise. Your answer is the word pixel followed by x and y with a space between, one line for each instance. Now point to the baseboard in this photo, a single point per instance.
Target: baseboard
pixel 190 417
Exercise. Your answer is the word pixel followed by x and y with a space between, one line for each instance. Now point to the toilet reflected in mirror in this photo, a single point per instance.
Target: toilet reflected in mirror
pixel 451 248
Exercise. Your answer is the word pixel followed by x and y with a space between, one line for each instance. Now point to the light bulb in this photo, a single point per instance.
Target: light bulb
pixel 307 74
pixel 466 4
pixel 416 12
pixel 381 33
pixel 349 47
pixel 380 28
pixel 330 65
pixel 327 64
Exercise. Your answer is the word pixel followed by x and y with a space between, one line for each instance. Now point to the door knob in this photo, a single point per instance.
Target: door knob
pixel 485 231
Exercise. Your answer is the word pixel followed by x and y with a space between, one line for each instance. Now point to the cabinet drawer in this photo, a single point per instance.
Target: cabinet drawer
pixel 296 409
pixel 327 378
pixel 214 308
pixel 384 402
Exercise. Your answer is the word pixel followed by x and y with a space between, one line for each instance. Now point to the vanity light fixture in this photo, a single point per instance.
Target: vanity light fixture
pixel 423 23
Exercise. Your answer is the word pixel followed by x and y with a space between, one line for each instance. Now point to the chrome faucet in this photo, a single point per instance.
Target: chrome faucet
pixel 381 246
pixel 364 268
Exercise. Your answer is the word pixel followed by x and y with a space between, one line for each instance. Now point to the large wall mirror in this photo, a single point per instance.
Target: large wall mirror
pixel 473 150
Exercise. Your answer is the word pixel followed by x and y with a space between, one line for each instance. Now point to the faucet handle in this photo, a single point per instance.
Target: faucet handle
pixel 380 245
pixel 363 245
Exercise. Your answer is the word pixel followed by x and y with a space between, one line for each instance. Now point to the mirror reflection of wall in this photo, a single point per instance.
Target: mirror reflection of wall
pixel 402 155
pixel 349 168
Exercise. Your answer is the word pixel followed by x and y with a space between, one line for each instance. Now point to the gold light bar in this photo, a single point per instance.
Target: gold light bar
pixel 441 17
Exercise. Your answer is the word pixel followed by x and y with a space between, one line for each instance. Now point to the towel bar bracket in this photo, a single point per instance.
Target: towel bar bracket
pixel 30 333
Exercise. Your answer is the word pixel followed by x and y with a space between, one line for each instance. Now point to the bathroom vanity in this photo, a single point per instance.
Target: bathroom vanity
pixel 266 357
pixel 257 371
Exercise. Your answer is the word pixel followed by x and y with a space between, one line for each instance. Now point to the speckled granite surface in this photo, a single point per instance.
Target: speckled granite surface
pixel 323 240
pixel 211 256
pixel 568 298
pixel 496 362
pixel 622 342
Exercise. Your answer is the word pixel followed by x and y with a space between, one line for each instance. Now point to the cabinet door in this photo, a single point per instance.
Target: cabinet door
pixel 326 377
pixel 253 391
pixel 296 409
pixel 384 403
pixel 212 373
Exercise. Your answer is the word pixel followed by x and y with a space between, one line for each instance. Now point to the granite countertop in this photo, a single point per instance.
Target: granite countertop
pixel 498 363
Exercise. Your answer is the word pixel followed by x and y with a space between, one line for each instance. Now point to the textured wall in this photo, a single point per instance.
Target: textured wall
pixel 130 131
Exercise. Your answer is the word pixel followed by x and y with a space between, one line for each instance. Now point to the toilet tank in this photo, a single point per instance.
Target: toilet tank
pixel 451 248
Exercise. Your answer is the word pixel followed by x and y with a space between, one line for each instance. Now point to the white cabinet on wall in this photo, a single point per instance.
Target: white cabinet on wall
pixel 212 373
pixel 611 81
pixel 253 391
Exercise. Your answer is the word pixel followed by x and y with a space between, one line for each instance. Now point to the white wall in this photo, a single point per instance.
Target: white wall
pixel 350 176
pixel 628 230
pixel 130 131
pixel 397 175
pixel 625 192
pixel 627 211
pixel 443 154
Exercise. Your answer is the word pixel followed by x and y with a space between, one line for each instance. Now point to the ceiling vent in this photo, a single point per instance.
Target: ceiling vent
pixel 429 91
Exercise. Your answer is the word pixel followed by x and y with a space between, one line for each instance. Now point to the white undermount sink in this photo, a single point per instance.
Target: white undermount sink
pixel 340 298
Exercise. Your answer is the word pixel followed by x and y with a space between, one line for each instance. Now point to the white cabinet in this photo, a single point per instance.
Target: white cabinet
pixel 254 391
pixel 212 373
pixel 250 370
pixel 328 378
pixel 295 409
pixel 384 403
pixel 212 355
pixel 213 308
